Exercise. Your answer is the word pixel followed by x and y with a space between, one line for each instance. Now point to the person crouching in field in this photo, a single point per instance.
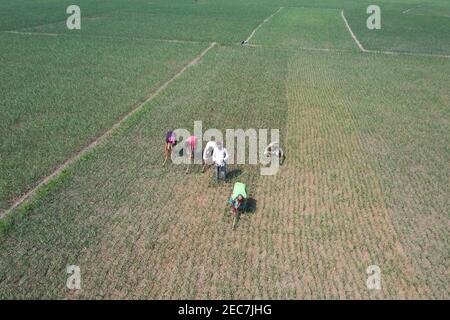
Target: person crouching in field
pixel 236 203
pixel 168 147
pixel 274 150
pixel 208 154
pixel 191 142
pixel 220 157
pixel 190 145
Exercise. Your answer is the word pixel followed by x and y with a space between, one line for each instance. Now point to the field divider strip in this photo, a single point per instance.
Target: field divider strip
pixel 251 45
pixel 103 37
pixel 408 10
pixel 33 33
pixel 261 24
pixel 102 137
pixel 417 54
pixel 428 15
pixel 313 8
pixel 360 46
pixel 144 39
pixel 411 9
pixel 413 54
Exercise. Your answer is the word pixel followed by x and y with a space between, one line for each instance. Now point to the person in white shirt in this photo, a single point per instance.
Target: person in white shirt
pixel 208 154
pixel 220 157
pixel 274 150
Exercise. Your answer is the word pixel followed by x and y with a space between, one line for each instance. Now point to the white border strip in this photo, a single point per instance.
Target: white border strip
pixel 410 54
pixel 360 46
pixel 100 36
pixel 261 24
pixel 408 10
pixel 413 8
pixel 34 33
pixel 417 54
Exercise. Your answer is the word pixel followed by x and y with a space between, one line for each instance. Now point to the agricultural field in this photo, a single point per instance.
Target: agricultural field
pixel 364 121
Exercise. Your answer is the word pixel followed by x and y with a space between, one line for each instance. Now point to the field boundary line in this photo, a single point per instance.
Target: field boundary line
pixel 386 52
pixel 393 53
pixel 33 33
pixel 314 8
pixel 352 34
pixel 104 37
pixel 323 49
pixel 71 160
pixel 408 10
pixel 250 45
pixel 428 15
pixel 261 24
pixel 143 39
pixel 411 9
pixel 414 54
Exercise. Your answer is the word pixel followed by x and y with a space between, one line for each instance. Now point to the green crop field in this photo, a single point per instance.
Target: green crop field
pixel 364 121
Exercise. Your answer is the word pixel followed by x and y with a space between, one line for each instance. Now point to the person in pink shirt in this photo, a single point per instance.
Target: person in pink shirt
pixel 191 142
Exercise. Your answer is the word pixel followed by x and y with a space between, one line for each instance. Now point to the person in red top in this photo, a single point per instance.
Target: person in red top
pixel 190 145
pixel 170 142
pixel 191 142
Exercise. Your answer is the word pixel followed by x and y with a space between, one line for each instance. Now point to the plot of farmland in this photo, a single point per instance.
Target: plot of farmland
pixel 150 212
pixel 306 28
pixel 26 13
pixel 60 92
pixel 222 23
pixel 336 208
pixel 405 32
pixel 367 169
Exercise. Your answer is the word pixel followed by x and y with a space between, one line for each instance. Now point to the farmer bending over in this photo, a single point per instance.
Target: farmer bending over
pixel 170 142
pixel 191 142
pixel 236 203
pixel 220 156
pixel 208 154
